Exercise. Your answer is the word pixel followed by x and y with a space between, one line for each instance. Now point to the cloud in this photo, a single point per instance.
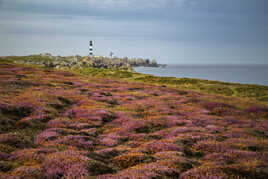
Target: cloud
pixel 157 10
pixel 103 4
pixel 189 23
pixel 113 10
pixel 78 26
pixel 196 21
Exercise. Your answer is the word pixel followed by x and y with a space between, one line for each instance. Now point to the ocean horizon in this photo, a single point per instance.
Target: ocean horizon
pixel 234 73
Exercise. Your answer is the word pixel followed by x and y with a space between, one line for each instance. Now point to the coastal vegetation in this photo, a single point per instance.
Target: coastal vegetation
pixel 86 122
pixel 122 69
pixel 70 62
pixel 243 91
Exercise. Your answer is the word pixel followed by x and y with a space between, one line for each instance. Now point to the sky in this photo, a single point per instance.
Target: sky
pixel 169 31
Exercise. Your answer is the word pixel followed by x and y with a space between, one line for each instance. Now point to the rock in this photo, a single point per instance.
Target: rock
pixel 77 61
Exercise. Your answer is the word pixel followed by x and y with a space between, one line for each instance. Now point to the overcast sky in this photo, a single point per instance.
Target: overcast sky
pixel 171 31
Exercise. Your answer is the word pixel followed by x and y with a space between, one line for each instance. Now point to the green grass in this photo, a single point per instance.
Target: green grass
pixel 245 91
pixel 25 58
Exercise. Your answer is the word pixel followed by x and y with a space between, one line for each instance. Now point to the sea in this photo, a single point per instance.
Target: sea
pixel 245 74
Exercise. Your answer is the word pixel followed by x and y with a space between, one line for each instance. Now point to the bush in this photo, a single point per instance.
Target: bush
pixel 131 159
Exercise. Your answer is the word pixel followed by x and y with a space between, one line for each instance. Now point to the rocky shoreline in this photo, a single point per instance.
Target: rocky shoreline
pixel 59 62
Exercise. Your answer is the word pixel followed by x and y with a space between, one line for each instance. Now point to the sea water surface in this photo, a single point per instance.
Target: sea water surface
pixel 246 74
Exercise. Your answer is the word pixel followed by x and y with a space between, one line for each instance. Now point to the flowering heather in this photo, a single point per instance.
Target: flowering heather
pixel 143 171
pixel 57 124
pixel 236 133
pixel 76 141
pixel 172 121
pixel 138 137
pixel 13 140
pixel 207 171
pixel 79 125
pixel 221 109
pixel 91 131
pixel 252 144
pixel 227 121
pixel 135 125
pixel 3 155
pixel 31 154
pixel 109 141
pixel 159 146
pixel 93 117
pixel 178 130
pixel 210 146
pixel 236 156
pixel 133 144
pixel 105 115
pixel 67 164
pixel 131 159
pixel 120 118
pixel 77 112
pixel 262 128
pixel 214 129
pixel 167 155
pixel 8 138
pixel 46 136
pixel 107 152
pixel 257 110
pixel 28 172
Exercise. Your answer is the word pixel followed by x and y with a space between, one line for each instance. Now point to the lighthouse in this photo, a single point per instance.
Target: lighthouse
pixel 90 48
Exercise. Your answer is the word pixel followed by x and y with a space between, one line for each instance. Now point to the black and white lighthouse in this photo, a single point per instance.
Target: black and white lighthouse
pixel 91 48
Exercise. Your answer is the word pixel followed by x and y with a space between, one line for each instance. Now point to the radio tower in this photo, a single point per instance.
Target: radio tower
pixel 90 48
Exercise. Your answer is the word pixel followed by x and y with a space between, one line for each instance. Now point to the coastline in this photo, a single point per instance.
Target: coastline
pixel 245 91
pixel 113 123
pixel 232 73
pixel 77 61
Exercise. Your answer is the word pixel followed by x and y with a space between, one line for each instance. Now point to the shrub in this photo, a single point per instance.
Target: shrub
pixel 79 125
pixel 47 135
pixel 110 142
pixel 28 172
pixel 158 146
pixel 16 112
pixel 151 170
pixel 31 154
pixel 59 122
pixel 91 131
pixel 14 140
pixel 6 148
pixel 84 142
pixel 131 159
pixel 3 155
pixel 6 166
pixel 261 128
pixel 221 108
pixel 72 164
pixel 236 133
pixel 108 152
pixel 167 155
pixel 67 164
pixel 208 171
pixel 210 146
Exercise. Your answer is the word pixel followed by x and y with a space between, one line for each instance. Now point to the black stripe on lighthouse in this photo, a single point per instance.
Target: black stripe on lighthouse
pixel 91 48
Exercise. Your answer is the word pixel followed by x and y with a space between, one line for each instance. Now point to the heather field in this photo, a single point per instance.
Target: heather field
pixel 88 123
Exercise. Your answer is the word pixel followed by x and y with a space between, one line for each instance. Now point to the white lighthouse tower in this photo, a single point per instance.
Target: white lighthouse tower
pixel 90 48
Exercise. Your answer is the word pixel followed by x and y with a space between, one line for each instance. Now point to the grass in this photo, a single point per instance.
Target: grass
pixel 245 91
pixel 97 123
